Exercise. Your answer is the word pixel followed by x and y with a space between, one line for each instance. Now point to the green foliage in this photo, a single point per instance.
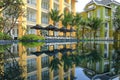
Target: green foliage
pixel 55 63
pixel 32 44
pixel 94 56
pixel 116 20
pixel 83 22
pixel 67 62
pixel 55 16
pixel 11 10
pixel 31 37
pixel 3 48
pixel 4 36
pixel 94 23
pixel 76 20
pixel 67 20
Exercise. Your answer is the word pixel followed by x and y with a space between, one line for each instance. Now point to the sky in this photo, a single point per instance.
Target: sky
pixel 81 4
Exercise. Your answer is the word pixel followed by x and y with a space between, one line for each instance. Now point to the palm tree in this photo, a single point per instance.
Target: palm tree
pixel 55 16
pixel 116 22
pixel 94 24
pixel 67 62
pixel 55 63
pixel 83 23
pixel 76 22
pixel 68 17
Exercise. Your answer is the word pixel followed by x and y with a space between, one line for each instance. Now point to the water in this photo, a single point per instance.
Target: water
pixel 60 61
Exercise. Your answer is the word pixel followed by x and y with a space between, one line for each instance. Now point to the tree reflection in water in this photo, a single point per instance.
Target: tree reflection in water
pixel 9 66
pixel 117 58
pixel 55 63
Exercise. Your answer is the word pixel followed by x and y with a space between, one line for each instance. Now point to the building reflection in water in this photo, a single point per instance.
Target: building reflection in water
pixel 59 61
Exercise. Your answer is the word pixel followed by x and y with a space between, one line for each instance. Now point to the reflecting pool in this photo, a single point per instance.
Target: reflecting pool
pixel 60 61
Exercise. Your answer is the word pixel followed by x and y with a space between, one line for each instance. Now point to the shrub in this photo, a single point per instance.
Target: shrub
pixel 31 37
pixel 4 36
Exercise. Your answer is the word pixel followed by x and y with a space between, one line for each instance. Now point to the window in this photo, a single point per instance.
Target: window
pixel 45 4
pixel 45 61
pixel 45 75
pixel 31 65
pixel 33 2
pixel 31 16
pixel 106 11
pixel 98 13
pixel 106 34
pixel 107 25
pixel 45 18
pixel 32 77
pixel 89 14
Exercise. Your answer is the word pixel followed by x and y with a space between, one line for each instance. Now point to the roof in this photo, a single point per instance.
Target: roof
pixel 104 2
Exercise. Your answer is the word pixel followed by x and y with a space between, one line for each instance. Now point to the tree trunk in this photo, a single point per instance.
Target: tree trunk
pixel 94 39
pixel 83 33
pixel 94 35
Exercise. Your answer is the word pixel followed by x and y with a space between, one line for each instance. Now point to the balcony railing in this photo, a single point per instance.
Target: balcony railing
pixel 31 19
pixel 66 4
pixel 31 4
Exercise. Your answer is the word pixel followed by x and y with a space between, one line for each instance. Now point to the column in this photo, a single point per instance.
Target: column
pixel 50 70
pixel 23 60
pixel 22 25
pixel 102 29
pixel 38 16
pixel 39 68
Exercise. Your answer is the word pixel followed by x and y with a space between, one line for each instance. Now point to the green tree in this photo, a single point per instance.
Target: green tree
pixel 11 10
pixel 55 16
pixel 67 19
pixel 83 24
pixel 76 22
pixel 116 22
pixel 94 24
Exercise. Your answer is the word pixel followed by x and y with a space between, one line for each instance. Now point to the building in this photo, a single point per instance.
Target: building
pixel 105 10
pixel 37 13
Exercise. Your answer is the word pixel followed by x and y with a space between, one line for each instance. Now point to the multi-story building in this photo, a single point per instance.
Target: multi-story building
pixel 37 13
pixel 105 10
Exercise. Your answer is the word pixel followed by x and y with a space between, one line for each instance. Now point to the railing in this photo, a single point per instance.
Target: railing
pixel 31 19
pixel 31 3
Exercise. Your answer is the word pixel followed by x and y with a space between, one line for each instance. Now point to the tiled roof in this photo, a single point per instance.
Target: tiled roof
pixel 103 2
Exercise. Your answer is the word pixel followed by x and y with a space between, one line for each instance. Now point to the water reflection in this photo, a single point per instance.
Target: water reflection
pixel 9 66
pixel 60 61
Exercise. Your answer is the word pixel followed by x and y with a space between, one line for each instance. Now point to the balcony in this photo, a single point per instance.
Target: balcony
pixel 66 4
pixel 56 1
pixel 31 4
pixel 31 21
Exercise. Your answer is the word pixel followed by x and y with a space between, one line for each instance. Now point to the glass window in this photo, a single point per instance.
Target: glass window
pixel 89 14
pixel 98 13
pixel 45 75
pixel 45 18
pixel 106 11
pixel 31 65
pixel 45 61
pixel 45 4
